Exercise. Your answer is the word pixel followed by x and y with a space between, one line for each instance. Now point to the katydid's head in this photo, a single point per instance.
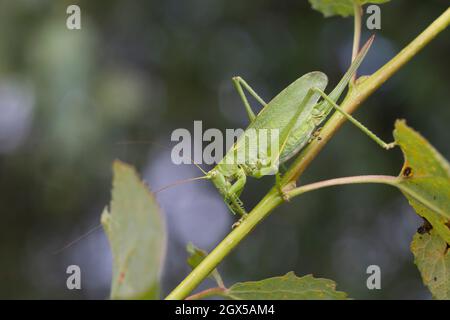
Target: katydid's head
pixel 219 180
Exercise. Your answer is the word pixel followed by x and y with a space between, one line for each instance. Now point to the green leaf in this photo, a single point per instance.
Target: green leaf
pixel 424 179
pixel 196 256
pixel 137 236
pixel 287 287
pixel 343 8
pixel 432 258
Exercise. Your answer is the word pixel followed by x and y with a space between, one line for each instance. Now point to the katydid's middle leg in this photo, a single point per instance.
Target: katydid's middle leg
pixel 238 84
pixel 358 124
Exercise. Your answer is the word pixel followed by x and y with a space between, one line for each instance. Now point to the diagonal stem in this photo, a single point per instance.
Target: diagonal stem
pixel 273 199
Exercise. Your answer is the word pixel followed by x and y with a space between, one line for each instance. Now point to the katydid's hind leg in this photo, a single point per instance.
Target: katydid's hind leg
pixel 358 124
pixel 239 84
pixel 290 126
pixel 282 190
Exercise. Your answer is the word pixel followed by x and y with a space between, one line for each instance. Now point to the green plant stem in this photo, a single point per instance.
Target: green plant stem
pixel 266 205
pixel 273 199
pixel 390 180
pixel 217 291
pixel 220 291
pixel 361 92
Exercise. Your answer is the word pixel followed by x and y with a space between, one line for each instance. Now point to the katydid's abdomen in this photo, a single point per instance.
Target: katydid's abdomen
pixel 310 121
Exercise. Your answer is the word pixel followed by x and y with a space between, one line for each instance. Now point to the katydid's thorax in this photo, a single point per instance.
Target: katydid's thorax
pixel 230 181
pixel 224 175
pixel 221 177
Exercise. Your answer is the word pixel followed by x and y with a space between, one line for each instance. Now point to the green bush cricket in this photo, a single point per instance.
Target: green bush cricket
pixel 295 113
pixel 295 116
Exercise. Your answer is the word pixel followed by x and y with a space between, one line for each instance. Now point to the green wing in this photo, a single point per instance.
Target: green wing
pixel 277 114
pixel 305 127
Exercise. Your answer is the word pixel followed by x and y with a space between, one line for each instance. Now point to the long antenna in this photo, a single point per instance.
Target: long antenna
pixel 158 145
pixel 71 243
pixel 178 182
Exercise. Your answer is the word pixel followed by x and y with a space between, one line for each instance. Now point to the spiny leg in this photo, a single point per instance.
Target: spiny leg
pixel 358 124
pixel 239 83
pixel 237 206
pixel 234 193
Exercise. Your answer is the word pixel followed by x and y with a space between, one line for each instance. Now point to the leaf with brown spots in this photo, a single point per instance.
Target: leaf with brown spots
pixel 432 258
pixel 424 178
pixel 287 287
pixel 137 237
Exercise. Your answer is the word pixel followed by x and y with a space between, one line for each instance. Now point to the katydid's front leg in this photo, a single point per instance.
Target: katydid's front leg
pixel 238 84
pixel 358 124
pixel 234 192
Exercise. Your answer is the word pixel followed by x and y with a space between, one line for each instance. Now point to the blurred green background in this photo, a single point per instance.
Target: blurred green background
pixel 73 101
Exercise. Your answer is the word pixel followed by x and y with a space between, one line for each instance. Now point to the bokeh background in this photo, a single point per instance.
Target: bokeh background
pixel 73 101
